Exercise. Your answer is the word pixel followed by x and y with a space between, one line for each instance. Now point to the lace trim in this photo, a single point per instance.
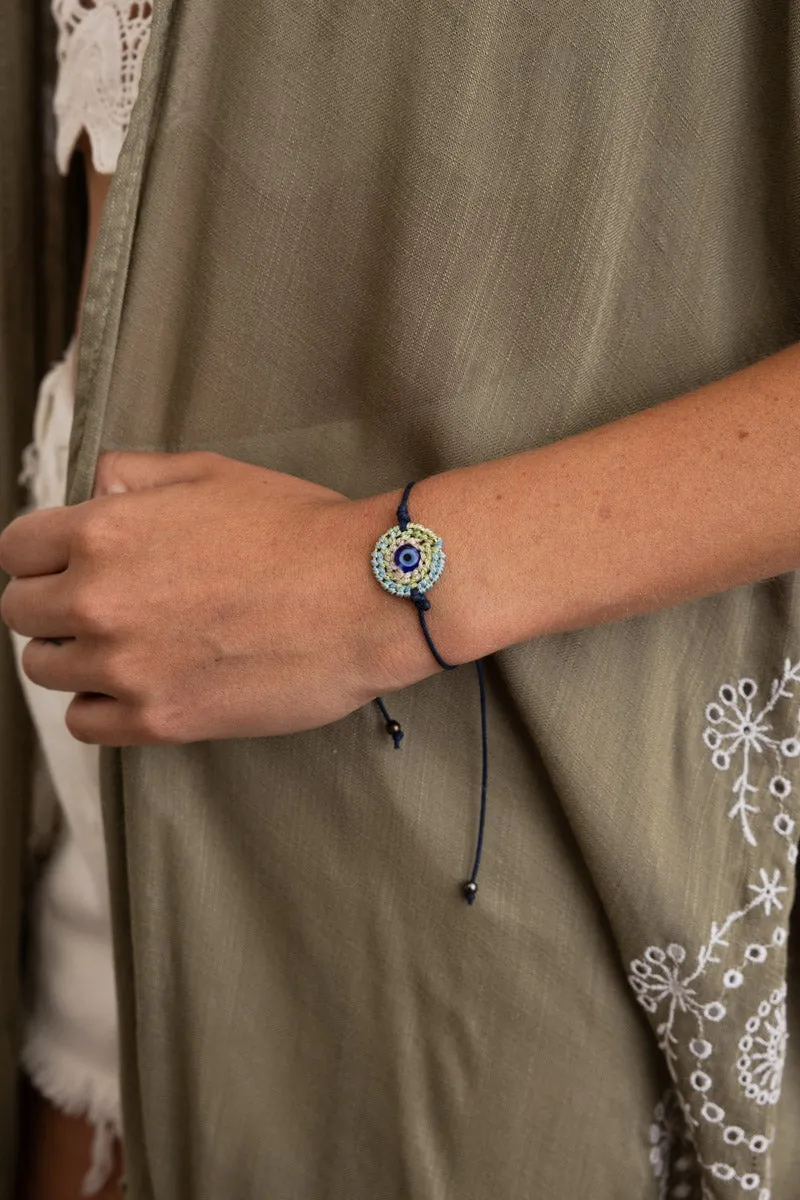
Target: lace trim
pixel 100 50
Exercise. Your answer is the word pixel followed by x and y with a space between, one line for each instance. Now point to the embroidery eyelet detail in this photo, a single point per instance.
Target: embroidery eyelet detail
pixel 740 734
pixel 719 1018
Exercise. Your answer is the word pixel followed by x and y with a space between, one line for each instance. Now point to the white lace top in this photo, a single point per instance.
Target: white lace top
pixel 101 45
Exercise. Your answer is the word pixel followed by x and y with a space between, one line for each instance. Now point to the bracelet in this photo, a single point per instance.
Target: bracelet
pixel 407 561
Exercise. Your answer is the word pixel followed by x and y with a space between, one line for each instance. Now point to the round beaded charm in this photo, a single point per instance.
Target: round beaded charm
pixel 408 560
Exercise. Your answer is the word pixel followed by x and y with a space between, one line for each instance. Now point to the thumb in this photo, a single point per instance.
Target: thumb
pixel 123 471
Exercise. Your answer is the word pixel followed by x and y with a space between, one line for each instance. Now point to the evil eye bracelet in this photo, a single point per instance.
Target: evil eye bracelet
pixel 407 561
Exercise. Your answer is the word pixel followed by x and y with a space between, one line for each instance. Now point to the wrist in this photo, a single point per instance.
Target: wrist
pixel 387 626
pixel 387 646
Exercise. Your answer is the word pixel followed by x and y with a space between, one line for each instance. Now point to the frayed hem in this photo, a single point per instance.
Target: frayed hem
pixel 69 1085
pixel 101 1167
pixel 78 1092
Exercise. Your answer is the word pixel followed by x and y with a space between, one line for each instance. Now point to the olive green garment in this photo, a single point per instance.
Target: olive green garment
pixel 363 241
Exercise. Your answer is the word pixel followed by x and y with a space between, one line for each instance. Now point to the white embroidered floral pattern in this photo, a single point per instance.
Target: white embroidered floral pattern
pixel 719 1010
pixel 738 730
pixel 763 1050
pixel 101 46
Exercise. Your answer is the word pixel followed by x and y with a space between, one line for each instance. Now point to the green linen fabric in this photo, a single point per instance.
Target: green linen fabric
pixel 367 240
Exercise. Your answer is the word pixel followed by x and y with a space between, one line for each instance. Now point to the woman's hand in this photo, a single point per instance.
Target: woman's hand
pixel 201 597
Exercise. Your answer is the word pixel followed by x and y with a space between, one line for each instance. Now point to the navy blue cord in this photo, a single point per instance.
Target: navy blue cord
pixel 403 519
pixel 422 605
pixel 471 887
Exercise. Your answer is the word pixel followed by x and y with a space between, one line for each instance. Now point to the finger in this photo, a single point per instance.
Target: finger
pixel 102 721
pixel 68 667
pixel 38 542
pixel 119 471
pixel 37 607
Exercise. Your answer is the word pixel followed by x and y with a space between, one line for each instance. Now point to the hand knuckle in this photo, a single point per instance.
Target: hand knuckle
pixel 121 674
pixel 87 611
pixel 93 535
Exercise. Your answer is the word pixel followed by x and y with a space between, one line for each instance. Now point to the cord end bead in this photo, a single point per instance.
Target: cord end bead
pixel 393 728
pixel 470 891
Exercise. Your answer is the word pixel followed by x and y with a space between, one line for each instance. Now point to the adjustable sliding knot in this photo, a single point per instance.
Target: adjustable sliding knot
pixel 421 602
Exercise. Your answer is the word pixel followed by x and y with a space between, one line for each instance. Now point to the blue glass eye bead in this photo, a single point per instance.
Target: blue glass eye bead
pixel 408 560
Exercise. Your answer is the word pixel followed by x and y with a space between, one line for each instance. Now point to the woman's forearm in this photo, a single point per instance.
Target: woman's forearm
pixel 256 629
pixel 689 498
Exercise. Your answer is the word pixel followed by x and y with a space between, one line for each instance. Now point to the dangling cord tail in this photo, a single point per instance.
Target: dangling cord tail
pixel 392 726
pixel 422 605
pixel 471 886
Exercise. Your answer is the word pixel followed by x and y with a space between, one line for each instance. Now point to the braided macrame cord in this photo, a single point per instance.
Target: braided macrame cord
pixel 407 561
